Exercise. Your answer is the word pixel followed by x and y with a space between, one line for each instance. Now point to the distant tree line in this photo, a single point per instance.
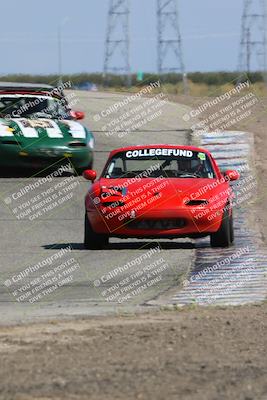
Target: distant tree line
pixel 207 78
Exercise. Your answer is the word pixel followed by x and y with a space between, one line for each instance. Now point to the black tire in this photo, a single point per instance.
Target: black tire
pixel 92 240
pixel 222 238
pixel 232 235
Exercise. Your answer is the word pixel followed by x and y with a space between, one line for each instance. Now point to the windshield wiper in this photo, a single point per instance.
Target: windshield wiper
pixel 190 175
pixel 40 115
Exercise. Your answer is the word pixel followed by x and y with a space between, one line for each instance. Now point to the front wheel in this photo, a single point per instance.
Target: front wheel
pixel 93 240
pixel 224 236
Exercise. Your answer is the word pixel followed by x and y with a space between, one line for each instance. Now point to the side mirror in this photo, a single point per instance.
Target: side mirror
pixel 77 115
pixel 231 175
pixel 89 175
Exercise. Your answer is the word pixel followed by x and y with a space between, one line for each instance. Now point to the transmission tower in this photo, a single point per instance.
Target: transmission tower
pixel 253 51
pixel 169 38
pixel 117 59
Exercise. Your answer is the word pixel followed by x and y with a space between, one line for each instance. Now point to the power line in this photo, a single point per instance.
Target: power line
pixel 118 39
pixel 169 38
pixel 253 41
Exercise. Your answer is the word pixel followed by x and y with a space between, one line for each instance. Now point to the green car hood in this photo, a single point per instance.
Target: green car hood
pixel 42 132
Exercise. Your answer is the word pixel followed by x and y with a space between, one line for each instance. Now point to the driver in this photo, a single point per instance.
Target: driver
pixel 197 166
pixel 32 108
pixel 184 165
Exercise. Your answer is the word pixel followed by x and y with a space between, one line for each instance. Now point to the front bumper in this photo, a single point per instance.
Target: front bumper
pixel 13 157
pixel 180 222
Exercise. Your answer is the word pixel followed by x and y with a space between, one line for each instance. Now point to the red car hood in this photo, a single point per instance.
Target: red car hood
pixel 167 190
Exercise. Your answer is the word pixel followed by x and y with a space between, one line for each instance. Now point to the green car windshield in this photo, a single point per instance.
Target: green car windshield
pixel 31 106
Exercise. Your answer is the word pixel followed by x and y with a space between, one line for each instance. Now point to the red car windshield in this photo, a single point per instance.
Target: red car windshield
pixel 159 162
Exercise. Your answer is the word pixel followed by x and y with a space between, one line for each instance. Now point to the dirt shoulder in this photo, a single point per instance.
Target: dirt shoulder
pixel 199 353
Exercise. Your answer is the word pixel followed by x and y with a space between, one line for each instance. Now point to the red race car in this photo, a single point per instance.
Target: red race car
pixel 159 191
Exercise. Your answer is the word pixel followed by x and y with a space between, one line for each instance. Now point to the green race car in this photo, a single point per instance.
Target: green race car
pixel 39 130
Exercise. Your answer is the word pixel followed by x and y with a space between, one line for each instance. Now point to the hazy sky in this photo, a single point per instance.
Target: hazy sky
pixel 28 35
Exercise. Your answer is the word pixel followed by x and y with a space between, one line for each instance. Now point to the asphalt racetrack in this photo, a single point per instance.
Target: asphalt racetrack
pixel 45 272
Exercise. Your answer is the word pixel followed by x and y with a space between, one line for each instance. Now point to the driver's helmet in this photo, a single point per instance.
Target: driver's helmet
pixel 39 107
pixel 197 165
pixel 185 165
